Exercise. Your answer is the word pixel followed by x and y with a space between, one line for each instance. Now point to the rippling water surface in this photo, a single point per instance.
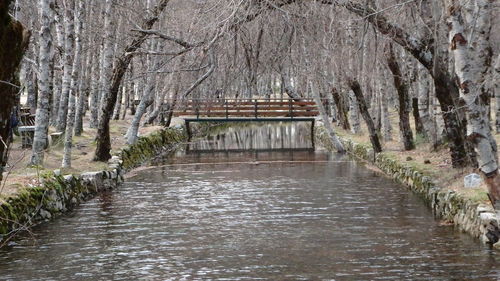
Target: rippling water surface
pixel 255 215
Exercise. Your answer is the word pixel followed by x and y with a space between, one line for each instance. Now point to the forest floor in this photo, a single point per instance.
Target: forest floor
pixel 19 173
pixel 433 163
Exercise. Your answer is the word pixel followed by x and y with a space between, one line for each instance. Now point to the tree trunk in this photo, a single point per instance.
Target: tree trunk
pixel 103 149
pixel 496 88
pixel 354 114
pixel 94 93
pixel 328 124
pixel 471 65
pixel 363 108
pixel 419 127
pixel 43 108
pixel 425 106
pixel 146 100
pixel 57 79
pixel 13 41
pixel 342 110
pixel 84 89
pixel 386 121
pixel 107 56
pixel 31 86
pixel 129 99
pixel 118 105
pixel 75 75
pixel 67 61
pixel 401 86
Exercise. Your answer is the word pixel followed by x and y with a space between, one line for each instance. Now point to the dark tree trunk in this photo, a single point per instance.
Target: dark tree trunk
pixel 419 127
pixel 363 108
pixel 13 41
pixel 455 122
pixel 401 86
pixel 342 109
pixel 103 139
pixel 31 88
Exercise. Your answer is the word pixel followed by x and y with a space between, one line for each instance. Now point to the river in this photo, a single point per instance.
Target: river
pixel 251 204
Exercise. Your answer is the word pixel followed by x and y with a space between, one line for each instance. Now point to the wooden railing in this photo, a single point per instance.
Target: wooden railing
pixel 255 108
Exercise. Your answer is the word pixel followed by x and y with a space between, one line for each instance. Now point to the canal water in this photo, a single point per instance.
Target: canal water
pixel 217 212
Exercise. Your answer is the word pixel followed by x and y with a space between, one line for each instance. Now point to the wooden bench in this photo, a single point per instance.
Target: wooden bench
pixel 27 135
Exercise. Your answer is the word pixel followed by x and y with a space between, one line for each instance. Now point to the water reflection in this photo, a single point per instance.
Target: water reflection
pixel 260 137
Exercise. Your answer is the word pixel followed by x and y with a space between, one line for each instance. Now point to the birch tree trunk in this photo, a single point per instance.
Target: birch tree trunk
pixel 386 127
pixel 342 110
pixel 146 100
pixel 471 65
pixel 83 93
pixel 496 89
pixel 67 61
pixel 31 86
pixel 118 105
pixel 94 93
pixel 107 55
pixel 425 107
pixel 363 108
pixel 401 86
pixel 354 113
pixel 386 121
pixel 326 121
pixel 68 135
pixel 42 111
pixel 57 78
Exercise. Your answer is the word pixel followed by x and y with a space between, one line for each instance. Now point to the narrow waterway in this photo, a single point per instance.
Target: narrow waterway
pixel 270 213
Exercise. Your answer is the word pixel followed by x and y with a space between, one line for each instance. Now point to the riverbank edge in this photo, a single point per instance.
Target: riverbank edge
pixel 57 194
pixel 477 219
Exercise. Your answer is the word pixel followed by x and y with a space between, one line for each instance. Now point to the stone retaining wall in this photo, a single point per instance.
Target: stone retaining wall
pixel 477 219
pixel 58 194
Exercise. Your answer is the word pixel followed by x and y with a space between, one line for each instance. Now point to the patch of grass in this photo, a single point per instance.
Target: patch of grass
pixel 479 195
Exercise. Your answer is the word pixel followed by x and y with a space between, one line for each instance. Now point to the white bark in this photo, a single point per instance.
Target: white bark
pixel 83 90
pixel 107 59
pixel 67 61
pixel 94 92
pixel 471 65
pixel 68 136
pixel 354 114
pixel 496 89
pixel 326 121
pixel 146 100
pixel 424 104
pixel 42 111
pixel 57 79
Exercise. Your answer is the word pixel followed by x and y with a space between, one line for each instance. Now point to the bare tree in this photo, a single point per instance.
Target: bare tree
pixel 42 111
pixel 75 75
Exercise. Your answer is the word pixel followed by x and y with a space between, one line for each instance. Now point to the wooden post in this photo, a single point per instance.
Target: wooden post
pixel 188 130
pixel 312 133
pixel 227 110
pixel 255 108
